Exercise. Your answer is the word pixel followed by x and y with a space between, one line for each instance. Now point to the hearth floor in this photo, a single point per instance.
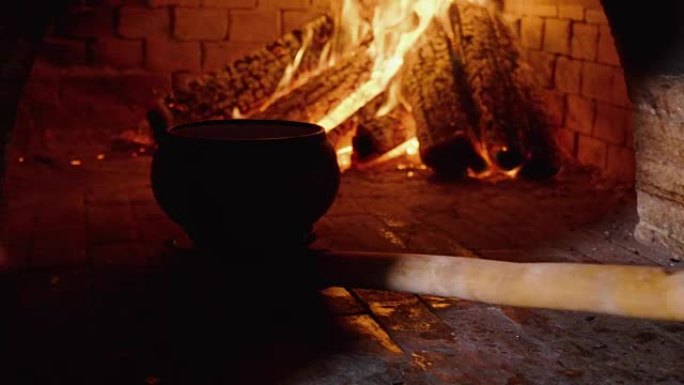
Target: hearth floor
pixel 102 295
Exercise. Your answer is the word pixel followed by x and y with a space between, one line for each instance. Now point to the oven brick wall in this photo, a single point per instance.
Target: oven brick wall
pixel 149 46
pixel 570 48
pixel 117 33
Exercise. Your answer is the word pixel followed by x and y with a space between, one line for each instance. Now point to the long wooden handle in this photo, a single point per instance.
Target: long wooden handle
pixel 634 291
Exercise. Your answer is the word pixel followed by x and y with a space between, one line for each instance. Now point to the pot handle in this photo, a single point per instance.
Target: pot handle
pixel 160 119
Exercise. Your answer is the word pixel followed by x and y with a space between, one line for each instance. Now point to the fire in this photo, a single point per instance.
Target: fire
pixel 291 69
pixel 412 146
pixel 492 172
pixel 395 27
pixel 388 34
pixel 237 114
pixel 344 157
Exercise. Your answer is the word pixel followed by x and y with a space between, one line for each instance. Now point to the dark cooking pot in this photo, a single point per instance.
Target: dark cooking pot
pixel 245 183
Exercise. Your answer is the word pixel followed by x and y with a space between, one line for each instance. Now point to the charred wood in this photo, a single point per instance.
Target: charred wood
pixel 378 135
pixel 511 125
pixel 249 82
pixel 433 86
pixel 324 91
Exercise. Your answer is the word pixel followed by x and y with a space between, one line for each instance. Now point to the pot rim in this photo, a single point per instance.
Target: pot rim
pixel 314 130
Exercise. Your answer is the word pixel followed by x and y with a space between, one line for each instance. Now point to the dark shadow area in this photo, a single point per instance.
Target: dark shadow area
pixel 650 38
pixel 97 298
pixel 243 319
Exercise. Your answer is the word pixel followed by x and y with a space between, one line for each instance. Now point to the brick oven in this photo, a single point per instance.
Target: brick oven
pixel 571 48
pixel 119 55
pixel 102 62
pixel 108 289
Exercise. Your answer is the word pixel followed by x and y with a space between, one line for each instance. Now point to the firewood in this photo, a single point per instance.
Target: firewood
pixel 542 153
pixel 512 128
pixel 434 88
pixel 541 150
pixel 344 133
pixel 379 135
pixel 340 136
pixel 249 82
pixel 485 65
pixel 351 123
pixel 465 92
pixel 319 95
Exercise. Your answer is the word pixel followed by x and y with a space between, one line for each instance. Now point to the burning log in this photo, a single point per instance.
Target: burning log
pixel 541 151
pixel 512 129
pixel 378 135
pixel 433 86
pixel 485 62
pixel 342 134
pixel 320 94
pixel 248 83
pixel 542 155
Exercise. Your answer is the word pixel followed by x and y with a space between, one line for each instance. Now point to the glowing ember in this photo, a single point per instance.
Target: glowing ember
pixel 512 174
pixel 75 162
pixel 492 172
pixel 100 156
pixel 21 159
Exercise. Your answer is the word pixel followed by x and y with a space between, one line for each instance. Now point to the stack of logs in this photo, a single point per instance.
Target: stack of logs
pixel 464 93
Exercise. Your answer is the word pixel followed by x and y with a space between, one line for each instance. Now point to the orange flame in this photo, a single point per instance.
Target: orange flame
pixel 492 172
pixel 395 27
pixel 344 158
pixel 236 114
pixel 393 30
pixel 292 68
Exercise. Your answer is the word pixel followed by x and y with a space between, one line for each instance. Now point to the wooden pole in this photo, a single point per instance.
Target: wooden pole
pixel 633 291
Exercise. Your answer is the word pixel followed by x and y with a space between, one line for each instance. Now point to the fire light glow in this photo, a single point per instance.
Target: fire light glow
pixel 236 114
pixel 392 31
pixel 408 148
pixel 396 26
pixel 344 157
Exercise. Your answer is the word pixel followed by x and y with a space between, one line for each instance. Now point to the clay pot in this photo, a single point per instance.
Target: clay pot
pixel 245 183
